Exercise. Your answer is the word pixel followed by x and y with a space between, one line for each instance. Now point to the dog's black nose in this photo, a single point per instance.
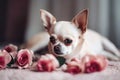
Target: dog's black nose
pixel 57 49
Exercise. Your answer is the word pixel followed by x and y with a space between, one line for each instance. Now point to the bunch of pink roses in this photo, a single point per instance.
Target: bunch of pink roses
pixel 15 58
pixel 10 56
pixel 88 64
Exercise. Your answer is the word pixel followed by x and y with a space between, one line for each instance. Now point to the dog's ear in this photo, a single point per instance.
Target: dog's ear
pixel 81 20
pixel 48 19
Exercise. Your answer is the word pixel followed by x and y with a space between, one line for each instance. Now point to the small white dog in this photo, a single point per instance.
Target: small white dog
pixel 71 39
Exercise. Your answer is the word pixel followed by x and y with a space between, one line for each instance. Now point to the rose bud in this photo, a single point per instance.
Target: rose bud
pixel 94 63
pixel 5 58
pixel 10 48
pixel 75 66
pixel 47 63
pixel 24 58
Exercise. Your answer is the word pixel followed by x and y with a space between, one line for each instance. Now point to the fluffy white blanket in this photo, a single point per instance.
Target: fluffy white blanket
pixel 112 72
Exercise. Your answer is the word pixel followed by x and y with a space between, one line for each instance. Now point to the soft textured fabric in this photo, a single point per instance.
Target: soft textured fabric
pixel 112 72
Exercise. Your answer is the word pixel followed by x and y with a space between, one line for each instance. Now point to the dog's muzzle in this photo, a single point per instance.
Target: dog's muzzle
pixel 57 50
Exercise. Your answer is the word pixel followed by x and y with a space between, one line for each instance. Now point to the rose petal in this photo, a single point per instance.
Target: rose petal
pixel 73 69
pixel 75 66
pixel 45 65
pixel 92 66
pixel 2 62
pixel 10 48
pixel 103 61
pixel 23 60
pixel 6 55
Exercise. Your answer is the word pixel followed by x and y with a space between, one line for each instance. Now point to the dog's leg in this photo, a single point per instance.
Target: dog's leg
pixel 110 47
pixel 39 46
pixel 42 42
pixel 110 56
pixel 37 42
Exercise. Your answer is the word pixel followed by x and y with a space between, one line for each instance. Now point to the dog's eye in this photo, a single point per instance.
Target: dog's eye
pixel 67 41
pixel 52 39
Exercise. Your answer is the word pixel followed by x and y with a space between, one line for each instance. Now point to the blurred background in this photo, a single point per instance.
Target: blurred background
pixel 20 19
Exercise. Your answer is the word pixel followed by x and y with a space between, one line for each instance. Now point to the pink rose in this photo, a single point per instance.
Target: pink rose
pixel 5 58
pixel 24 58
pixel 47 63
pixel 94 63
pixel 75 66
pixel 10 48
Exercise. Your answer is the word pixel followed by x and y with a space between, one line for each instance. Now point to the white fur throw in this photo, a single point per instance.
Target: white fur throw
pixel 112 72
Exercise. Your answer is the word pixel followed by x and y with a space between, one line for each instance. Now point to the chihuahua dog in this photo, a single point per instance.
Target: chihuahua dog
pixel 70 39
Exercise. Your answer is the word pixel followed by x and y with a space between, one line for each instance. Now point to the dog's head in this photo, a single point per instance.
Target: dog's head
pixel 65 36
